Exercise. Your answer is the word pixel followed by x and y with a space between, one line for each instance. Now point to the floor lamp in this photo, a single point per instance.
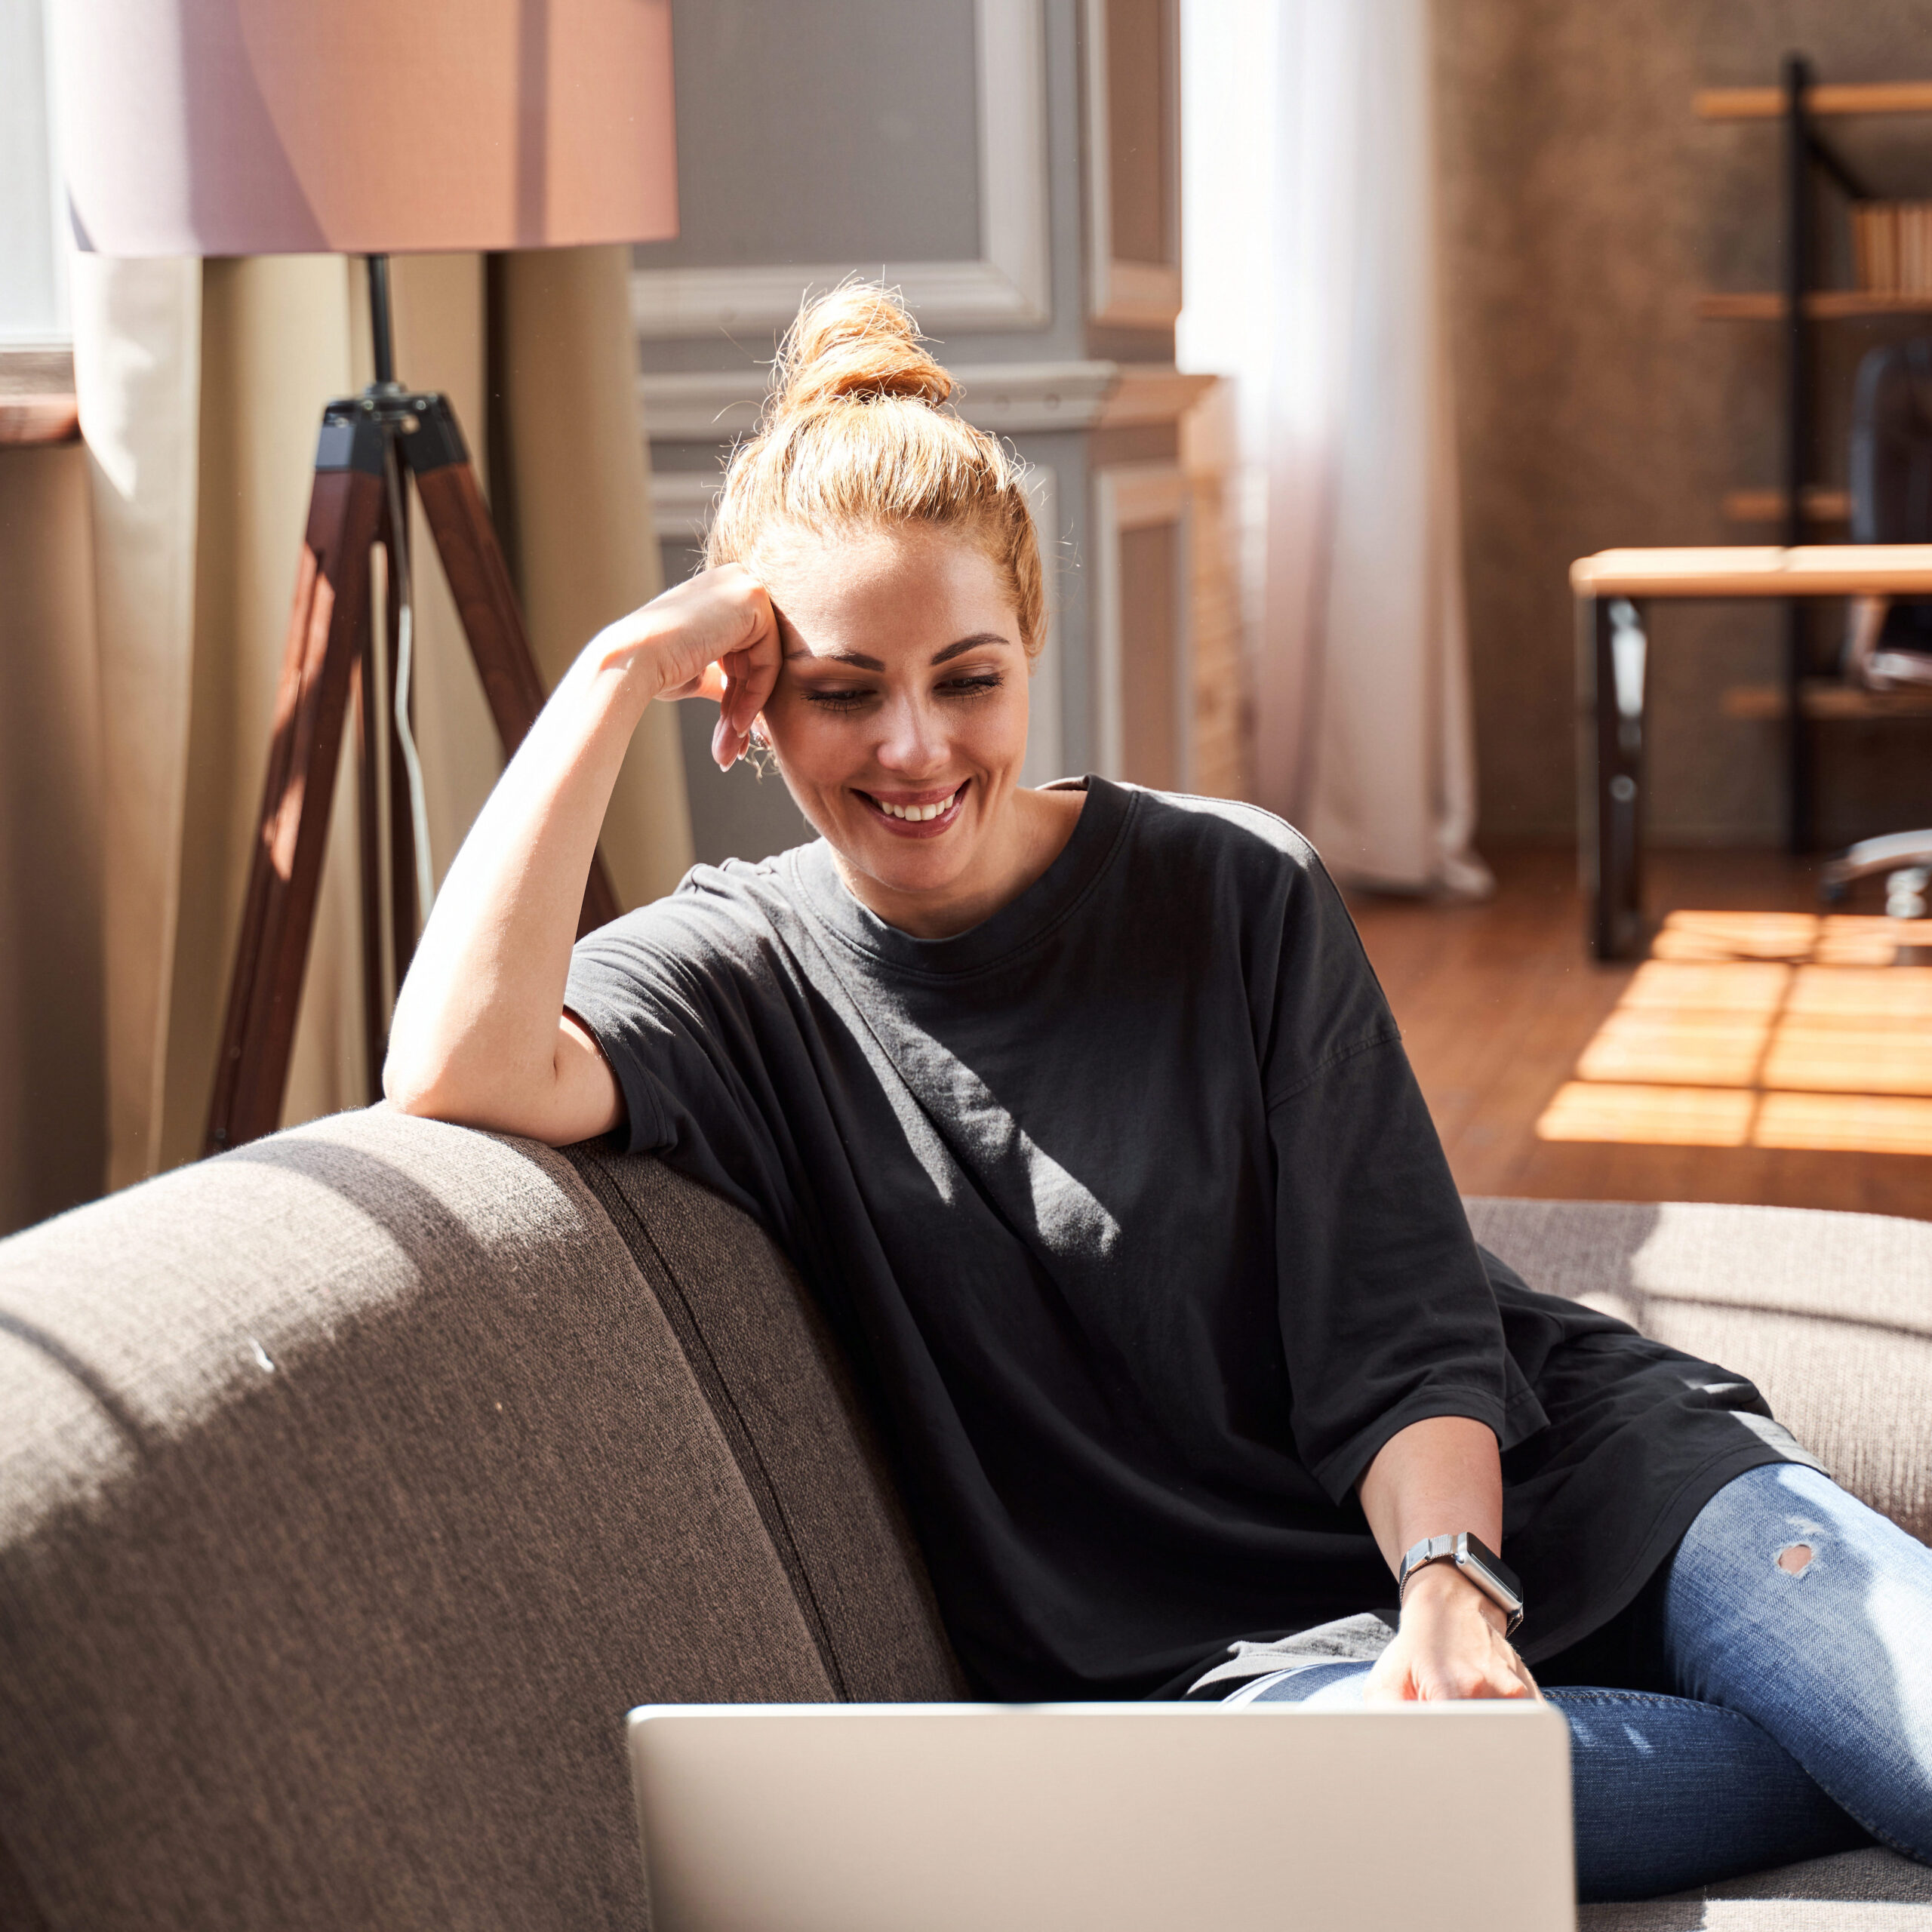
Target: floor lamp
pixel 276 126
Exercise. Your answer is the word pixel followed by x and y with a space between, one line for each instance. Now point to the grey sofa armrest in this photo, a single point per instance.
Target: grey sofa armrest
pixel 352 1487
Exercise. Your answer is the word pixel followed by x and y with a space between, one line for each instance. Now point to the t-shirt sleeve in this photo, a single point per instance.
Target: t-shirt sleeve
pixel 1387 1315
pixel 672 995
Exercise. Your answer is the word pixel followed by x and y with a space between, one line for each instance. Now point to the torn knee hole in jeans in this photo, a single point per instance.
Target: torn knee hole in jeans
pixel 1795 1558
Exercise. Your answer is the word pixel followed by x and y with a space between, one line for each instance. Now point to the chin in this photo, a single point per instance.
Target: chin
pixel 911 857
pixel 902 866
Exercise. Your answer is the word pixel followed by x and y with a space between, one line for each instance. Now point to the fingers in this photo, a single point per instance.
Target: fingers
pixel 710 684
pixel 1387 1683
pixel 1521 1670
pixel 1402 1677
pixel 695 635
pixel 728 744
pixel 1506 1675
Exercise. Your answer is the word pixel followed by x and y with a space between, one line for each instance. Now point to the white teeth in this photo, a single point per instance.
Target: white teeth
pixel 916 814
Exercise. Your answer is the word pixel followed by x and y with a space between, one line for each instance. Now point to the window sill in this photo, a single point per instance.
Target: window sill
pixel 37 401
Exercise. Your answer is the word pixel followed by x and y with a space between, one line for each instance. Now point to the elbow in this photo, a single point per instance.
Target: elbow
pixel 425 1084
pixel 429 1091
pixel 414 1090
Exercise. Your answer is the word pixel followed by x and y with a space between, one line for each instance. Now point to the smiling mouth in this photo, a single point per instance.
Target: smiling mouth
pixel 924 813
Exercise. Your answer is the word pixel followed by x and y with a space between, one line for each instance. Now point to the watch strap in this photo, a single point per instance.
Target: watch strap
pixel 1480 1565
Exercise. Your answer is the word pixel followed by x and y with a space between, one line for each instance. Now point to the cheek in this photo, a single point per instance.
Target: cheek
pixel 1003 726
pixel 812 742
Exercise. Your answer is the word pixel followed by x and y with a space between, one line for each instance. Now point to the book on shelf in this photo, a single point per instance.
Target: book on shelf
pixel 1891 247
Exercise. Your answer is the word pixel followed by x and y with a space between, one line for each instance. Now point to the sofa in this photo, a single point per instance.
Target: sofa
pixel 354 1484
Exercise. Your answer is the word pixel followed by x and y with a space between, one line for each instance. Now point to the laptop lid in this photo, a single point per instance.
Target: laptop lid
pixel 1132 1817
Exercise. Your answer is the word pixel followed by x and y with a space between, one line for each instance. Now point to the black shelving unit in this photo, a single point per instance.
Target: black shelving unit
pixel 1808 161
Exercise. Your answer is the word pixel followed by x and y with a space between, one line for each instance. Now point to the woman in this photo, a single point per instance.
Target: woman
pixel 1081 1111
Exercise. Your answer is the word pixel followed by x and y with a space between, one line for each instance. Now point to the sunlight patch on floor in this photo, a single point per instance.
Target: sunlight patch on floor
pixel 1764 1029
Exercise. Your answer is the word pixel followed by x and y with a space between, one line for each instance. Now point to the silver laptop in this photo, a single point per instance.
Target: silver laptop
pixel 1129 1817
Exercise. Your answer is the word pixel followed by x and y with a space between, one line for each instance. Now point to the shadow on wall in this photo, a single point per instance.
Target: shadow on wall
pixel 1829 1314
pixel 53 1124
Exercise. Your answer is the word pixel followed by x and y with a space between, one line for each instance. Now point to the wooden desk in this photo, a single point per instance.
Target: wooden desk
pixel 1611 590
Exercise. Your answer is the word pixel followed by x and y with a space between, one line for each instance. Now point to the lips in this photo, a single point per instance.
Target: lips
pixel 918 817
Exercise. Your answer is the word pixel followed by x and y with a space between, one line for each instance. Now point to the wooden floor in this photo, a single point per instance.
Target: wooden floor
pixel 1754 1057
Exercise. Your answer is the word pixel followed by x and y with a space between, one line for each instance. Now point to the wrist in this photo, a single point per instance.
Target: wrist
pixel 622 663
pixel 1441 1587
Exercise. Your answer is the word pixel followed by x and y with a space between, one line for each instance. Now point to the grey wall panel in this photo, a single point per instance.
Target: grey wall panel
pixel 840 131
pixel 742 814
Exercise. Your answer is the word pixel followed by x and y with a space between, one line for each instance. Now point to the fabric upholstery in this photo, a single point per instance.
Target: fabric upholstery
pixel 762 1354
pixel 352 1486
pixel 1856 1891
pixel 1831 1316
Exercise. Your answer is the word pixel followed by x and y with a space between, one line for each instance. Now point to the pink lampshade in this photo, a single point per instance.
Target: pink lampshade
pixel 275 126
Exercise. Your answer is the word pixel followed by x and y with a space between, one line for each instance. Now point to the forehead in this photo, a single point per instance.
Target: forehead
pixel 883 589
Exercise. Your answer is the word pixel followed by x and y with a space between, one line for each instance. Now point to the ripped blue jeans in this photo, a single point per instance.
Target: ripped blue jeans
pixel 1787 1711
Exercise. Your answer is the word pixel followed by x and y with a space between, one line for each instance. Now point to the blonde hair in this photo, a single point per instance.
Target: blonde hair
pixel 856 433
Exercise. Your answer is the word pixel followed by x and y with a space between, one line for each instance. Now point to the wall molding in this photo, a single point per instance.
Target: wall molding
pixel 1008 287
pixel 1135 496
pixel 681 503
pixel 1006 398
pixel 1124 295
pixel 1046 730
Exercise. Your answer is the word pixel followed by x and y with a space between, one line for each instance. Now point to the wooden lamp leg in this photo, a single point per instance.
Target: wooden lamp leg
pixel 329 655
pixel 325 644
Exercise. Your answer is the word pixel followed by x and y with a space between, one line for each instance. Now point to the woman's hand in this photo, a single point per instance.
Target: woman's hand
pixel 1450 1644
pixel 715 635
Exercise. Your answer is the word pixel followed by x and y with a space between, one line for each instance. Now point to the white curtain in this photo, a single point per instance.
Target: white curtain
pixel 1311 281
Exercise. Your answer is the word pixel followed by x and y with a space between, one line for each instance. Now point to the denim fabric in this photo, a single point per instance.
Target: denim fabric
pixel 1795 1711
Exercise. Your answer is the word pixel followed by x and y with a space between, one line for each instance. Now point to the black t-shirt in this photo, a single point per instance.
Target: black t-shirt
pixel 1128 1211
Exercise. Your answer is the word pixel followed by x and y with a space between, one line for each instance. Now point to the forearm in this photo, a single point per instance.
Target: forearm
pixel 1433 1477
pixel 1438 1476
pixel 475 1036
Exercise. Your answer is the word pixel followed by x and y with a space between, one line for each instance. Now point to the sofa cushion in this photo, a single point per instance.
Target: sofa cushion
pixel 1856 1891
pixel 762 1353
pixel 352 1488
pixel 1831 1316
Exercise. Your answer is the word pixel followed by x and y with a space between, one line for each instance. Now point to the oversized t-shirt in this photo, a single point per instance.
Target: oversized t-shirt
pixel 1127 1209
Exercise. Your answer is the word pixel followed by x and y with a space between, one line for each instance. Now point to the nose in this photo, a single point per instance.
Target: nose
pixel 911 742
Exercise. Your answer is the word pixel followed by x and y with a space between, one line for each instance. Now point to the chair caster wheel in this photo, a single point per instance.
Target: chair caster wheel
pixel 1904 892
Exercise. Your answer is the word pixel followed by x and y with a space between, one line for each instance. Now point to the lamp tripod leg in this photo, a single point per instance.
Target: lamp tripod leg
pixel 333 652
pixel 325 643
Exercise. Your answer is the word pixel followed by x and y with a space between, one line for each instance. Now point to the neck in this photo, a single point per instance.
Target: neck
pixel 1029 835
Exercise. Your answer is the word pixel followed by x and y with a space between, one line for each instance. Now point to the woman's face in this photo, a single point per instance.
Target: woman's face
pixel 898 719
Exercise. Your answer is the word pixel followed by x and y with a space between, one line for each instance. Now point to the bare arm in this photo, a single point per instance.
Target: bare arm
pixel 479 1034
pixel 1438 1476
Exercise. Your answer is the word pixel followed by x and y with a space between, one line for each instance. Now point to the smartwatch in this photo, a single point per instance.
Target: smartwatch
pixel 1478 1562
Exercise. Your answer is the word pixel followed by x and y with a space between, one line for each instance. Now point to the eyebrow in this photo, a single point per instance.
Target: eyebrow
pixel 859 661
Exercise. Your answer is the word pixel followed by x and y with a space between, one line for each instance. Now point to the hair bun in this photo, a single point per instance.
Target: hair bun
pixel 856 343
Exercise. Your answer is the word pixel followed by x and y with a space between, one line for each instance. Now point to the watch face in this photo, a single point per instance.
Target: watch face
pixel 1481 1555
